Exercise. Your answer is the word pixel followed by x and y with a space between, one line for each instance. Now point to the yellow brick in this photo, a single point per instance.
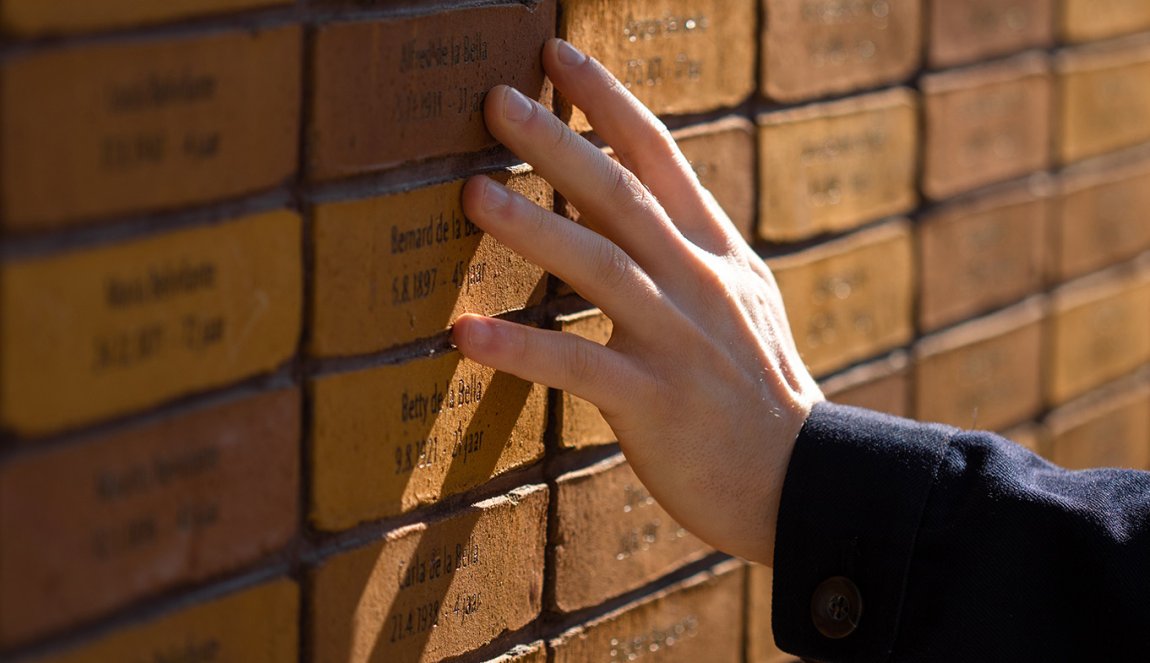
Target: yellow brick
pixel 398 268
pixel 96 333
pixel 133 126
pixel 831 167
pixel 389 439
pixel 675 57
pixel 434 590
pixel 851 298
pixel 259 625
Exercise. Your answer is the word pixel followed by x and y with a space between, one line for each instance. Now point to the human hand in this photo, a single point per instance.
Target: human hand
pixel 701 381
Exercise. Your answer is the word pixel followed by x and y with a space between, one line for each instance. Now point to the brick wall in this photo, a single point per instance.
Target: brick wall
pixel 234 429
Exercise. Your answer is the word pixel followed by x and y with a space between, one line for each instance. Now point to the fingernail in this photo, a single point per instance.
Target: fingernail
pixel 479 334
pixel 494 196
pixel 517 107
pixel 569 55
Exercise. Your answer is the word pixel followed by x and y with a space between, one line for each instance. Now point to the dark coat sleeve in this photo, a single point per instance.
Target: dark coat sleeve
pixel 962 546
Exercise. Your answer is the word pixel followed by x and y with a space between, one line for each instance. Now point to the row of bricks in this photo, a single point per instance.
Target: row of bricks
pixel 990 372
pixel 125 514
pixel 959 30
pixel 430 591
pixel 107 331
pixel 444 587
pixel 144 125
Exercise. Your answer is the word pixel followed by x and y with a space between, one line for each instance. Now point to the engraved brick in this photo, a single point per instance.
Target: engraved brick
pixel 983 374
pixel 676 58
pixel 822 47
pixel 38 17
pixel 1099 218
pixel 259 625
pixel 389 439
pixel 580 423
pixel 1103 98
pixel 831 167
pixel 422 94
pixel 985 124
pixel 850 298
pixel 698 619
pixel 610 536
pixel 965 31
pixel 761 647
pixel 144 125
pixel 102 332
pixel 981 253
pixel 1087 20
pixel 397 268
pixel 722 154
pixel 434 590
pixel 1099 329
pixel 1108 428
pixel 882 385
pixel 127 514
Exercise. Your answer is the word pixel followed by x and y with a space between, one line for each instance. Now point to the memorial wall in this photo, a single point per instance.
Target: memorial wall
pixel 231 249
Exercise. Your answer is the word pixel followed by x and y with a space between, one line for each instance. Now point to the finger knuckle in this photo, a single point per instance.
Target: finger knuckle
pixel 562 138
pixel 612 266
pixel 581 363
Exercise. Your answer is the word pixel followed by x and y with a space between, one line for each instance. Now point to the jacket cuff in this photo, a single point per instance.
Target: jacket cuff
pixel 850 510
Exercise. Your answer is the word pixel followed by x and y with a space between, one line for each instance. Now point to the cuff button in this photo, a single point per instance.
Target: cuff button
pixel 836 607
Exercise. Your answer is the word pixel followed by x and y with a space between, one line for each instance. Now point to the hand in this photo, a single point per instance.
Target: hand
pixel 701 380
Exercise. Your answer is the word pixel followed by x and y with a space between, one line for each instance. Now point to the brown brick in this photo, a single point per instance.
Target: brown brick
pixel 821 47
pixel 831 167
pixel 1099 329
pixel 1108 428
pixel 422 94
pixel 580 423
pixel 610 536
pixel 397 268
pixel 985 124
pixel 965 31
pixel 761 647
pixel 144 125
pixel 1103 98
pixel 1087 20
pixel 882 385
pixel 849 299
pixel 389 439
pixel 983 374
pixel 38 17
pixel 675 58
pixel 259 625
pixel 102 332
pixel 723 156
pixel 981 253
pixel 127 514
pixel 532 653
pixel 1099 218
pixel 434 590
pixel 698 619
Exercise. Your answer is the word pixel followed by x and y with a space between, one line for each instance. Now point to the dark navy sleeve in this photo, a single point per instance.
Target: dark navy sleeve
pixel 902 541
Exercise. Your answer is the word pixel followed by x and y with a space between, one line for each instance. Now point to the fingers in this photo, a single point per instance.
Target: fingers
pixel 598 269
pixel 614 200
pixel 640 140
pixel 562 361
